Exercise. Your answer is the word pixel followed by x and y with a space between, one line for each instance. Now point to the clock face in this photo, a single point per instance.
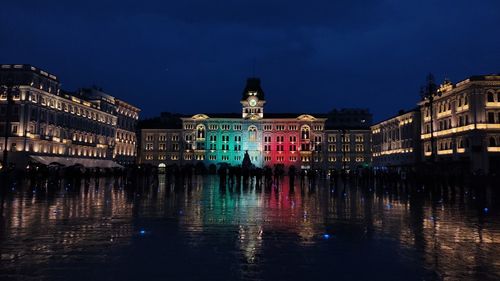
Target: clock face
pixel 252 102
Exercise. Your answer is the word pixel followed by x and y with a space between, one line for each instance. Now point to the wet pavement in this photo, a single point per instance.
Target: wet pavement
pixel 156 230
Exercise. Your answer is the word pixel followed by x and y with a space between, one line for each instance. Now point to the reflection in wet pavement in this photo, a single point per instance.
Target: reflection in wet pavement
pixel 155 230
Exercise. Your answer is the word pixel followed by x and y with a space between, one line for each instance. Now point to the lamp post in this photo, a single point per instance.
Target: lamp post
pixel 429 92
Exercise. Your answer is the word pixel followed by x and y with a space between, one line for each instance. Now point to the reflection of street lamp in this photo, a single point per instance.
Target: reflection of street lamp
pixel 429 93
pixel 9 91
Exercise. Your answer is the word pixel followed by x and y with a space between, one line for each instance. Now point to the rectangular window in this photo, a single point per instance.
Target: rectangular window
pixel 491 117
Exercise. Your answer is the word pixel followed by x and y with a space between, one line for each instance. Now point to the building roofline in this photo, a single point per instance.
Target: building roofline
pixel 29 67
pixel 415 109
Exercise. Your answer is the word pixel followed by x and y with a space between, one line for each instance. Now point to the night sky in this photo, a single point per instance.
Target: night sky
pixel 312 56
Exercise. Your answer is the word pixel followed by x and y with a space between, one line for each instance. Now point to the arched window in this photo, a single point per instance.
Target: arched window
pixel 491 98
pixel 252 133
pixel 200 132
pixel 493 142
pixel 461 144
pixel 305 132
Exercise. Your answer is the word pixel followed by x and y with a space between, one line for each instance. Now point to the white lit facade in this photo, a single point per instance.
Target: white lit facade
pixel 396 141
pixel 466 124
pixel 62 127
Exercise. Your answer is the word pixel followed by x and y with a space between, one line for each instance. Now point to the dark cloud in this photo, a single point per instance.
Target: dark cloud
pixel 193 56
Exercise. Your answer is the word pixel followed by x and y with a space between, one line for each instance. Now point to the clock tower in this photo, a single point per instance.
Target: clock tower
pixel 253 100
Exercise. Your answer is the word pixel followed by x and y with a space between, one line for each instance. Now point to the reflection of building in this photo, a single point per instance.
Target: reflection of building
pixel 50 125
pixel 270 138
pixel 466 124
pixel 396 141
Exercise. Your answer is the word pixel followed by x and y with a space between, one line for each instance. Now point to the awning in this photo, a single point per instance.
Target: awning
pixel 71 161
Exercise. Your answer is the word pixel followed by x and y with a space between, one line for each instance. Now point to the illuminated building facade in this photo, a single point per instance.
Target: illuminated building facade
pixel 396 141
pixel 49 125
pixel 299 140
pixel 466 124
pixel 126 133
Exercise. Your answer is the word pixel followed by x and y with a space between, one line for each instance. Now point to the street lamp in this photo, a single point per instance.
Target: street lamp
pixel 428 93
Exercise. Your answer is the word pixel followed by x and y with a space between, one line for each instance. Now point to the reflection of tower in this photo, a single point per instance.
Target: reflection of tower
pixel 252 100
